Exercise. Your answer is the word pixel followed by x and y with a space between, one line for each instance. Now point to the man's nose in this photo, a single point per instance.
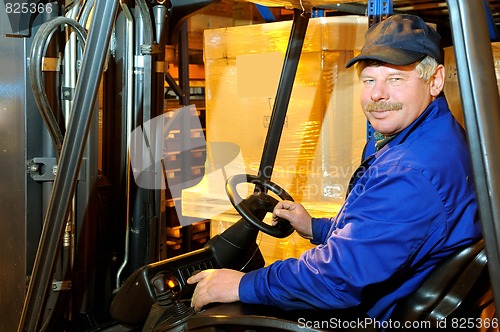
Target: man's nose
pixel 379 91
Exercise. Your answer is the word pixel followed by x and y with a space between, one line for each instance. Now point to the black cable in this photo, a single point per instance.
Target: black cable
pixel 38 50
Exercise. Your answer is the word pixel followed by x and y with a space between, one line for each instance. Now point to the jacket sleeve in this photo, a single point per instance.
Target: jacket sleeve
pixel 320 229
pixel 376 233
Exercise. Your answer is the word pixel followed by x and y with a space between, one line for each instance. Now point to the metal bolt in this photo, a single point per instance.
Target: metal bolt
pixel 34 168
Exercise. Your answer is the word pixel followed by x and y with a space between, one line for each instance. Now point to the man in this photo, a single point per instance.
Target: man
pixel 411 202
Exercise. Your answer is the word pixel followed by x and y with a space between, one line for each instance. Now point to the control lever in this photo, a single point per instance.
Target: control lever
pixel 168 312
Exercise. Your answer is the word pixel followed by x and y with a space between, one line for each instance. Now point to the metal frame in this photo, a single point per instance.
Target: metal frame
pixel 285 86
pixel 69 165
pixel 481 107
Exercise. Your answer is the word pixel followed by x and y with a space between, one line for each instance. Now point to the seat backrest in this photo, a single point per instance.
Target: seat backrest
pixel 458 287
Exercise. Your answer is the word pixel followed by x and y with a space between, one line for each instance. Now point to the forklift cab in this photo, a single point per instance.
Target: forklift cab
pixel 458 292
pixel 155 297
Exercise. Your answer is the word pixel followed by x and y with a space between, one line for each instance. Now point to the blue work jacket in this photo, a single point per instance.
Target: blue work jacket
pixel 411 204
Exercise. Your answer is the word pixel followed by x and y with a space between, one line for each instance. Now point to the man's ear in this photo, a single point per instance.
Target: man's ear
pixel 437 81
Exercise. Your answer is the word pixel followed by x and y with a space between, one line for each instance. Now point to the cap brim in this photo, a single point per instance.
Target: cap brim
pixel 394 56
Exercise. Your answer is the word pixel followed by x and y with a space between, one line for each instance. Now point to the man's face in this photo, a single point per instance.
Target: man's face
pixel 392 97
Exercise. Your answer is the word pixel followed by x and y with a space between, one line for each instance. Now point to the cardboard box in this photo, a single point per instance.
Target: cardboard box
pixel 452 89
pixel 324 131
pixel 224 14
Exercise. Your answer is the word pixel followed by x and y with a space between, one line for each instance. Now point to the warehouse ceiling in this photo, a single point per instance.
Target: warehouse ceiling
pixel 433 11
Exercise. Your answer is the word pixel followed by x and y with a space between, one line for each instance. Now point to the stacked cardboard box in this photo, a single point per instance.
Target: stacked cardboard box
pixel 452 89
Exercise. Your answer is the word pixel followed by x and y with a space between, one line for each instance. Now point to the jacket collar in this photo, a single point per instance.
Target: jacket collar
pixel 434 110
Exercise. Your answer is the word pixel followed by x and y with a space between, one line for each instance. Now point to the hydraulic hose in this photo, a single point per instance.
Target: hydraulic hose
pixel 38 49
pixel 147 22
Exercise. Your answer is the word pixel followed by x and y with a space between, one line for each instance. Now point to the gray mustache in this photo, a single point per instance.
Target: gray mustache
pixel 383 106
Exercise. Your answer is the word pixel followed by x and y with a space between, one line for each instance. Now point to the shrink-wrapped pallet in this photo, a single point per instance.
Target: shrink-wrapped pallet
pixel 324 131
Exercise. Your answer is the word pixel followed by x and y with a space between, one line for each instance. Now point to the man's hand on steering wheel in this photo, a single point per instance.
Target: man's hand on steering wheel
pixel 259 202
pixel 222 285
pixel 297 215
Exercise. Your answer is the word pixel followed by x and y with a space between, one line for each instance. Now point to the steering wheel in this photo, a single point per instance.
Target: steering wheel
pixel 259 202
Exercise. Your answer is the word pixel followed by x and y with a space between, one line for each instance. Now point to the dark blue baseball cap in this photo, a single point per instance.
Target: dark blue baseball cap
pixel 400 39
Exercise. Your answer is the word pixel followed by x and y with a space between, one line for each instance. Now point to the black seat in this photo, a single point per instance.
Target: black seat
pixel 457 290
